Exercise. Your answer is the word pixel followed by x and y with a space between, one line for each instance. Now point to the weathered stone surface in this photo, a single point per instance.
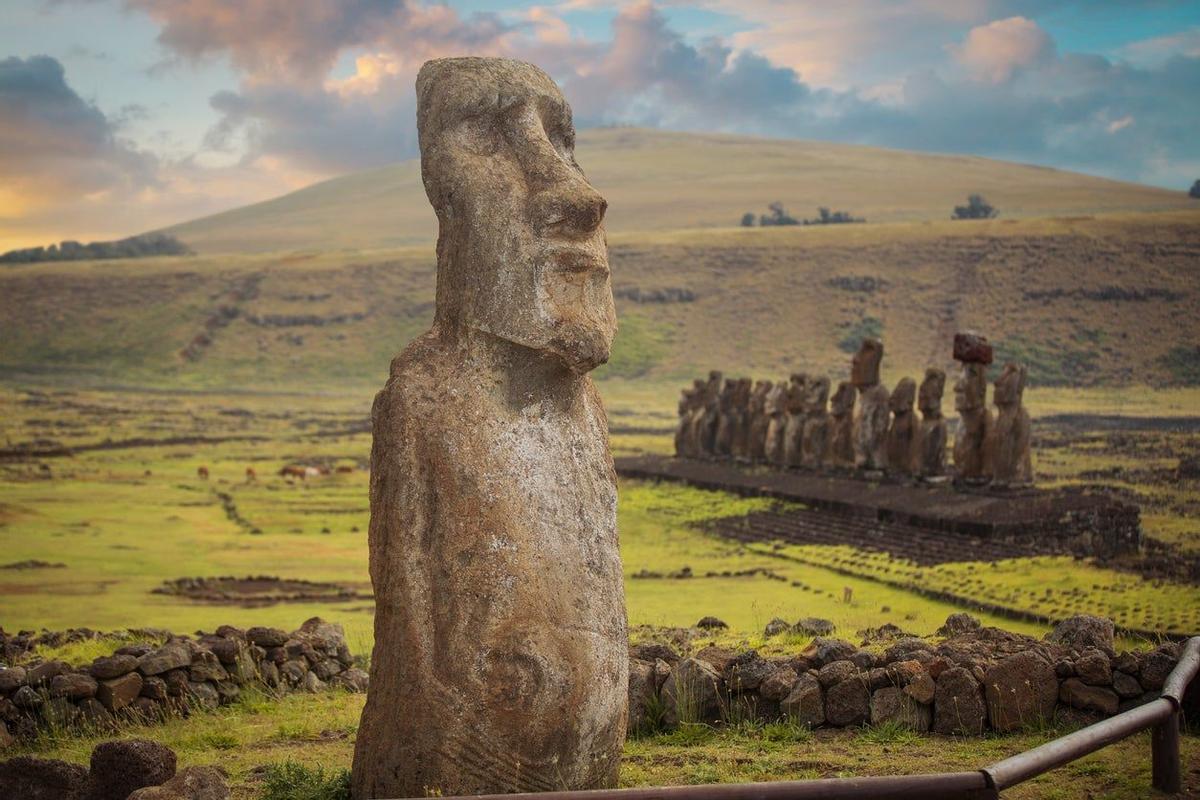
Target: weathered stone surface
pixel 921 688
pixel 814 626
pixel 123 766
pixel 822 651
pixel 266 637
pixel 206 667
pixel 203 695
pixel 711 624
pixel 776 627
pixel 958 704
pixel 172 655
pixel 6 739
pixel 11 678
pixel 352 679
pixel 871 419
pixel 1093 667
pixel 841 426
pixel 73 686
pixel 815 445
pixel 1157 665
pixel 805 704
pixel 747 671
pixel 905 649
pixel 653 651
pixel 493 495
pixel 692 693
pixel 778 685
pixel 43 673
pixel 1126 686
pixel 177 682
pixel 29 778
pixel 958 624
pixel 929 450
pixel 192 783
pixel 902 432
pixel 27 697
pixel 893 705
pixel 848 703
pixel 108 667
pixel 1012 464
pixel 1083 631
pixel 1078 694
pixel 972 348
pixel 836 672
pixel 793 431
pixel 642 692
pixel 119 692
pixel 1021 690
pixel 93 713
pixel 776 411
pixel 973 441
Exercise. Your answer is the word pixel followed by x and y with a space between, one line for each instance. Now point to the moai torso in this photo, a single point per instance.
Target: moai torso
pixel 705 430
pixel 793 431
pixel 929 459
pixel 501 650
pixel 871 420
pixel 726 420
pixel 777 412
pixel 689 401
pixel 757 433
pixel 1012 463
pixel 903 429
pixel 841 426
pixel 739 446
pixel 816 425
pixel 973 441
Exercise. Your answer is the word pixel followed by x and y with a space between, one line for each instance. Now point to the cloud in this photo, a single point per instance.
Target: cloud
pixel 993 52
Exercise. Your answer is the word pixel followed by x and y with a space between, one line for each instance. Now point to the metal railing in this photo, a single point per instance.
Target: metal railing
pixel 1162 717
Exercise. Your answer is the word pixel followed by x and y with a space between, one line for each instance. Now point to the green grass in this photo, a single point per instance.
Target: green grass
pixel 292 781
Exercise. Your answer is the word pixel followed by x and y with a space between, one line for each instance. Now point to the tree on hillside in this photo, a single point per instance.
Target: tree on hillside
pixel 1195 190
pixel 976 208
pixel 778 216
pixel 748 219
pixel 827 217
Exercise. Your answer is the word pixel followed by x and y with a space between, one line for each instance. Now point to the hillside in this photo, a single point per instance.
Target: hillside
pixel 657 180
pixel 1083 301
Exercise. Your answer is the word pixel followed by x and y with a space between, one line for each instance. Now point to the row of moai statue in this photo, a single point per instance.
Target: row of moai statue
pixel 795 423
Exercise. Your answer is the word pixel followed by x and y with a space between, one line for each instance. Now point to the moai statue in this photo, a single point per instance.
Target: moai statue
pixel 793 432
pixel 690 400
pixel 739 446
pixel 1012 464
pixel 816 424
pixel 973 441
pixel 777 400
pixel 903 429
pixel 705 431
pixel 840 452
pixel 726 420
pixel 501 649
pixel 757 428
pixel 929 452
pixel 871 421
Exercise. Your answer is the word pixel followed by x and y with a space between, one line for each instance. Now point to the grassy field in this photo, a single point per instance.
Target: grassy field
pixel 659 180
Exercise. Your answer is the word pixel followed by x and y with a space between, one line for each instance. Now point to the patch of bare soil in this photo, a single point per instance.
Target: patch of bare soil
pixel 33 563
pixel 258 591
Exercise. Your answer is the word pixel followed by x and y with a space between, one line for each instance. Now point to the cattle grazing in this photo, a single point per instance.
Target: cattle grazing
pixel 294 471
pixel 202 473
pixel 251 475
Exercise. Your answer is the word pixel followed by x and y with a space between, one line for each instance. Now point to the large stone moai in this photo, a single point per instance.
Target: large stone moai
pixel 726 420
pixel 1012 464
pixel 871 421
pixel 777 400
pixel 757 428
pixel 973 441
pixel 691 400
pixel 929 452
pixel 816 424
pixel 705 431
pixel 902 432
pixel 840 452
pixel 501 650
pixel 739 445
pixel 793 432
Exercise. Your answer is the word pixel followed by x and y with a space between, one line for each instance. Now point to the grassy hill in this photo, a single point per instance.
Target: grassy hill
pixel 657 180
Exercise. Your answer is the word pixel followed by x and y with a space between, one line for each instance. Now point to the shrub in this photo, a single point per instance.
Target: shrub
pixel 865 328
pixel 1183 362
pixel 748 219
pixel 976 208
pixel 1194 192
pixel 778 216
pixel 827 217
pixel 292 781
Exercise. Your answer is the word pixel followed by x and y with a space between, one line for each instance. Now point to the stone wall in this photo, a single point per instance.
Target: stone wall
pixel 144 682
pixel 968 680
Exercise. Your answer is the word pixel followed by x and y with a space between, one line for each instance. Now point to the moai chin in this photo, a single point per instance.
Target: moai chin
pixel 929 456
pixel 840 452
pixel 501 649
pixel 973 441
pixel 793 431
pixel 871 421
pixel 816 424
pixel 903 429
pixel 1012 464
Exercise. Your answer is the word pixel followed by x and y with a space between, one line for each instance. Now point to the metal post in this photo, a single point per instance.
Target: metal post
pixel 1164 748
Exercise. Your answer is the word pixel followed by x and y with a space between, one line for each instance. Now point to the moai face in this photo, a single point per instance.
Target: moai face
pixel 521 247
pixel 818 394
pixel 843 399
pixel 930 397
pixel 903 396
pixel 970 391
pixel 864 367
pixel 1010 386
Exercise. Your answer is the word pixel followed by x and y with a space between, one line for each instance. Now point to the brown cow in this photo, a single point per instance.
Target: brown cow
pixel 202 473
pixel 294 471
pixel 251 475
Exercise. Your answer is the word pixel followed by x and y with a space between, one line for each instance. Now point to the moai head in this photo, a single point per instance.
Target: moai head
pixel 903 396
pixel 929 400
pixel 1010 386
pixel 970 392
pixel 818 395
pixel 864 367
pixel 521 249
pixel 842 402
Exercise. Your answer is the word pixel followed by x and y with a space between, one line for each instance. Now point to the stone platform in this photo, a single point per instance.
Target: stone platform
pixel 1078 521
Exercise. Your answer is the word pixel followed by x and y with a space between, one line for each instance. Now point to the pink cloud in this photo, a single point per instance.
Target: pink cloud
pixel 996 51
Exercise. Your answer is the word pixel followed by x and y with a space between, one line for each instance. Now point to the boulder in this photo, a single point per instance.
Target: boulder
pixel 206 667
pixel 11 678
pixel 905 649
pixel 352 679
pixel 155 688
pixel 177 682
pixel 642 693
pixel 192 783
pixel 43 673
pixel 653 651
pixel 94 714
pixel 1093 667
pixel 1078 694
pixel 822 651
pixel 1020 690
pixel 747 671
pixel 958 624
pixel 778 685
pixel 776 627
pixel 892 705
pixel 1083 631
pixel 27 697
pixel 29 778
pixel 922 688
pixel 312 683
pixel 863 659
pixel 805 704
pixel 848 703
pixel 814 626
pixel 119 692
pixel 293 671
pixel 172 655
pixel 692 693
pixel 121 767
pixel 711 624
pixel 203 695
pixel 836 672
pixel 267 637
pixel 326 668
pixel 73 686
pixel 958 705
pixel 108 667
pixel 718 657
pixel 6 739
pixel 1126 686
pixel 1157 665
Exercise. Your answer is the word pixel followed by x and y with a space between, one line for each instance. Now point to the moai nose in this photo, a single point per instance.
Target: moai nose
pixel 570 207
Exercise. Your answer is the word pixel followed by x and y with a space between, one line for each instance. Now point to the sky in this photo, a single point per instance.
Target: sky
pixel 121 116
